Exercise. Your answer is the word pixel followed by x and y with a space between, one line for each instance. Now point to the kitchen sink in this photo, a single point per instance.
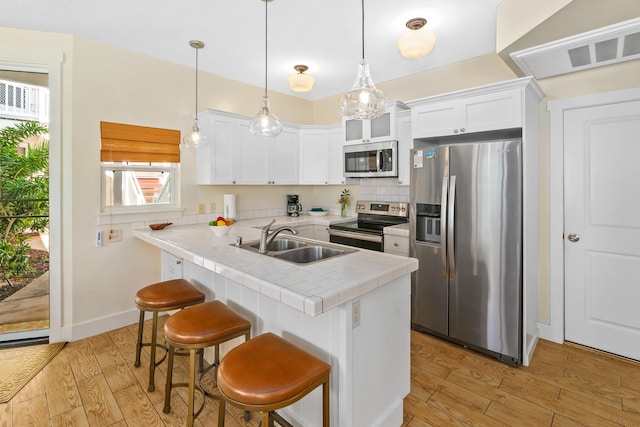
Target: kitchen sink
pixel 309 254
pixel 281 245
pixel 299 252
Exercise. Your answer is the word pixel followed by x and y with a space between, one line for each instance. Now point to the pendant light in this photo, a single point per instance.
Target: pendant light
pixel 195 139
pixel 265 123
pixel 363 101
pixel 301 82
pixel 418 41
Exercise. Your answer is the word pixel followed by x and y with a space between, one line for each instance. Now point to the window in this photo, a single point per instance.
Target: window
pixel 139 168
pixel 138 186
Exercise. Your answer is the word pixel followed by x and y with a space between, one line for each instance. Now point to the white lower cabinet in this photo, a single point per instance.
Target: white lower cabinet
pixel 303 231
pixel 171 266
pixel 321 232
pixel 396 245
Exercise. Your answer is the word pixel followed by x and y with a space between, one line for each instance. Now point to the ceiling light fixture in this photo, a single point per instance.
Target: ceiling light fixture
pixel 265 123
pixel 418 41
pixel 195 139
pixel 363 101
pixel 301 82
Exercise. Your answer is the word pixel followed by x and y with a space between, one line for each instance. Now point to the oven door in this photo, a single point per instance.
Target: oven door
pixel 373 242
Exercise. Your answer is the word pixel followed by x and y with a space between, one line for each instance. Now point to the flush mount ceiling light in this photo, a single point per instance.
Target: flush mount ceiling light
pixel 418 41
pixel 301 82
pixel 195 139
pixel 363 101
pixel 265 123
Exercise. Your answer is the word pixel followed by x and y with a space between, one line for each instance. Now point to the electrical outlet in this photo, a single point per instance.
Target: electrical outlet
pixel 212 207
pixel 201 208
pixel 355 314
pixel 114 235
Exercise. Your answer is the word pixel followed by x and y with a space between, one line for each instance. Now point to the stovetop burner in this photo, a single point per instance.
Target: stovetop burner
pixel 374 216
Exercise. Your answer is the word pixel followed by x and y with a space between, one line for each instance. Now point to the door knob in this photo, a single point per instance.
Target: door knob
pixel 573 237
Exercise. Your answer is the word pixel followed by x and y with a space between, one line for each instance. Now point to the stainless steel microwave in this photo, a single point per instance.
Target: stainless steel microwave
pixel 372 160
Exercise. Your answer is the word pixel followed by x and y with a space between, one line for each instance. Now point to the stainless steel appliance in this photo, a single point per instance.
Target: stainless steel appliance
pixel 466 231
pixel 293 206
pixel 367 232
pixel 372 160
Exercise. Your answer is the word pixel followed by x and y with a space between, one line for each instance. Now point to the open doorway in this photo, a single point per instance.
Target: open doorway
pixel 24 207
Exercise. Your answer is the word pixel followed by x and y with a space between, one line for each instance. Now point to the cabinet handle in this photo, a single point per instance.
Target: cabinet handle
pixel 462 129
pixel 233 182
pixel 395 244
pixel 178 262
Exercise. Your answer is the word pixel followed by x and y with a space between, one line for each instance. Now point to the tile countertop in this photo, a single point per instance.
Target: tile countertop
pixel 397 230
pixel 311 289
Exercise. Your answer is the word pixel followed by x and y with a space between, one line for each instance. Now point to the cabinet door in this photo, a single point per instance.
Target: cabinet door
pixel 435 119
pixel 314 156
pixel 336 170
pixel 215 161
pixel 352 130
pixel 171 266
pixel 321 232
pixel 405 143
pixel 381 128
pixel 499 110
pixel 252 153
pixel 283 163
pixel 396 245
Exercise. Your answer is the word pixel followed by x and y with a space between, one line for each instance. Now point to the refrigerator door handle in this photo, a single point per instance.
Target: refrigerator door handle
pixel 451 228
pixel 443 225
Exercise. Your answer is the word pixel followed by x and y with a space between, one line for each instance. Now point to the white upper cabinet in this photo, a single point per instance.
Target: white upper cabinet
pixel 336 170
pixel 405 144
pixel 284 157
pixel 382 128
pixel 314 155
pixel 262 160
pixel 234 156
pixel 216 160
pixel 487 108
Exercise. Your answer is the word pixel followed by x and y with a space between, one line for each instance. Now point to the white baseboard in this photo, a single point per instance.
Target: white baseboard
pixel 549 333
pixel 100 325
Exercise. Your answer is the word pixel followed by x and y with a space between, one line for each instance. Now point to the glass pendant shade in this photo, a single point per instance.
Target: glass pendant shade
pixel 363 101
pixel 301 82
pixel 195 138
pixel 265 123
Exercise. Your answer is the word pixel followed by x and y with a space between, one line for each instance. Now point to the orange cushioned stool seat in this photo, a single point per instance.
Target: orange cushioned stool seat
pixel 194 328
pixel 268 373
pixel 159 297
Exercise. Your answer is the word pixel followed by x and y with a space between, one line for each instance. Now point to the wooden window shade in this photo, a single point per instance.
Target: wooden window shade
pixel 128 143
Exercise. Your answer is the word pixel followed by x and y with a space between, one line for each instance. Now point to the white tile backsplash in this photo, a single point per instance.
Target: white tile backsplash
pixel 383 190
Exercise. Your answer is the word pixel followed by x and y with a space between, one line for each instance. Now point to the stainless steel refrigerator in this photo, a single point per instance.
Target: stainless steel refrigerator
pixel 466 232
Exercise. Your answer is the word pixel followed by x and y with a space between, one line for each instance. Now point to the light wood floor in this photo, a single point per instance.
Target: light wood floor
pixel 92 382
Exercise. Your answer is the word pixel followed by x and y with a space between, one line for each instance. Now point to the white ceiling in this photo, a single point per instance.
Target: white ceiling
pixel 323 34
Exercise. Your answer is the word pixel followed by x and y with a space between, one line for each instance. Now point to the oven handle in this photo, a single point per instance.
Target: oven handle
pixel 357 236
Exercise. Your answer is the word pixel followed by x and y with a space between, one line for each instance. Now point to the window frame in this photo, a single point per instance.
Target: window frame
pixel 174 187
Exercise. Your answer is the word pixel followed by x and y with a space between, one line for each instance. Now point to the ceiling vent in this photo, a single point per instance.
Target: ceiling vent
pixel 605 46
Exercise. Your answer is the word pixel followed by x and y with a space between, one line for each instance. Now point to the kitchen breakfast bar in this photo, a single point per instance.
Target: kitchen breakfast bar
pixel 351 310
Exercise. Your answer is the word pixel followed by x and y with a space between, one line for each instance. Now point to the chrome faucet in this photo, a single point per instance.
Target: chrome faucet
pixel 267 236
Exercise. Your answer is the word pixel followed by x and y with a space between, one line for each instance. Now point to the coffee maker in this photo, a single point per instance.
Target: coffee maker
pixel 293 206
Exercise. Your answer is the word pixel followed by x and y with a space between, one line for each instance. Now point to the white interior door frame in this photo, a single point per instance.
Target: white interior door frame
pixel 50 62
pixel 554 331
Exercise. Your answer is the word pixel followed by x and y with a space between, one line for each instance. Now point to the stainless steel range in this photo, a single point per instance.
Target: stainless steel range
pixel 367 231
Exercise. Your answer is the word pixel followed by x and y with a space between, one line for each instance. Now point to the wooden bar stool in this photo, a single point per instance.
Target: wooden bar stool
pixel 193 329
pixel 268 373
pixel 159 297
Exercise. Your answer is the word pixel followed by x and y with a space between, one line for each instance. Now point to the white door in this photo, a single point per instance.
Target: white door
pixel 602 227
